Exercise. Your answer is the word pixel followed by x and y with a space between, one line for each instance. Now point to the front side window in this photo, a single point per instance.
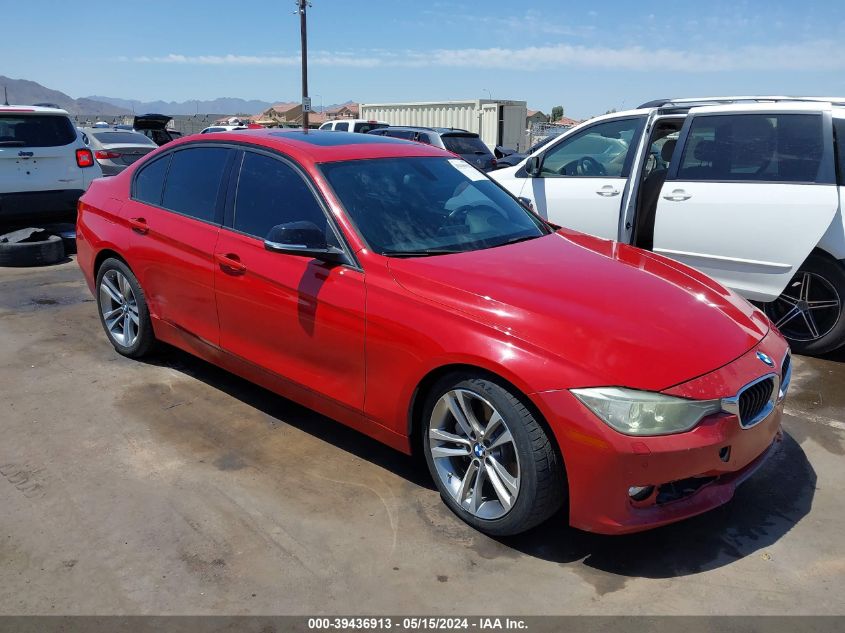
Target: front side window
pixel 341 127
pixel 34 130
pixel 149 183
pixel 755 147
pixel 428 206
pixel 602 150
pixel 194 181
pixel 271 192
pixel 839 134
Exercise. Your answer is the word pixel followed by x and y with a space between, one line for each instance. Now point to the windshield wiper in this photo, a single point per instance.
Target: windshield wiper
pixel 521 238
pixel 429 252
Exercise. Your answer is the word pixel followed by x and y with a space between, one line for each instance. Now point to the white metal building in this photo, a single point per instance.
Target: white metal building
pixel 497 122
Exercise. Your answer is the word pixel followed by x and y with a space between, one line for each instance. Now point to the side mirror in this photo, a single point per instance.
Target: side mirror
pixel 302 238
pixel 533 165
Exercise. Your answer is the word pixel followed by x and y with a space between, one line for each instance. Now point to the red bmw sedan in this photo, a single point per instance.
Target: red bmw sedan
pixel 397 289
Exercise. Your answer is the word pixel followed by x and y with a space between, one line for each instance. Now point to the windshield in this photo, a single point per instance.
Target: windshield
pixel 464 144
pixel 110 138
pixel 428 206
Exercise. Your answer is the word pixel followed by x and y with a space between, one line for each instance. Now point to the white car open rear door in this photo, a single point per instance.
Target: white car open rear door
pixel 750 192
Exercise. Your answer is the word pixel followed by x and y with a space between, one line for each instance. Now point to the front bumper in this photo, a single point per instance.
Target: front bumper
pixel 691 472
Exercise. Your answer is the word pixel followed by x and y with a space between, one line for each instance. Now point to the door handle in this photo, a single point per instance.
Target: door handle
pixel 139 225
pixel 231 262
pixel 607 191
pixel 678 195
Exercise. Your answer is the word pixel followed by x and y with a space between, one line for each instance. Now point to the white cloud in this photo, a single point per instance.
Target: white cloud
pixel 812 55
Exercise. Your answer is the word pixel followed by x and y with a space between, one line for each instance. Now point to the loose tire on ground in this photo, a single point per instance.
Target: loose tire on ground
pixel 522 477
pixel 123 310
pixel 38 252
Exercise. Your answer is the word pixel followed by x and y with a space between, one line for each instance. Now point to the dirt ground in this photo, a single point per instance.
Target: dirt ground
pixel 172 487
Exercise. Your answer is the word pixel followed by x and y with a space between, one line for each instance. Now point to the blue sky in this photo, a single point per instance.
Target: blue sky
pixel 588 57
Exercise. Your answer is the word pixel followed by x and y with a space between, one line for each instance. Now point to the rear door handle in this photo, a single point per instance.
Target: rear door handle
pixel 607 191
pixel 678 195
pixel 139 225
pixel 231 262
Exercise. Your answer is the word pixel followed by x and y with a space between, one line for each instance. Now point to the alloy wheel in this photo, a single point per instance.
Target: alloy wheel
pixel 808 309
pixel 119 308
pixel 474 454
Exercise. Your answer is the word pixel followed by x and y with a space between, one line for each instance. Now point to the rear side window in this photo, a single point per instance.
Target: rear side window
pixel 149 183
pixel 271 192
pixel 466 144
pixel 35 130
pixel 194 181
pixel 341 127
pixel 755 148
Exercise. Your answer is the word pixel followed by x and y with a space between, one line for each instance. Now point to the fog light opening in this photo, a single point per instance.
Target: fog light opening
pixel 640 493
pixel 725 454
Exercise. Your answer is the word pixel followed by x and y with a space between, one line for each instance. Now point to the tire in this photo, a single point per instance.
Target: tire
pixel 532 466
pixel 809 313
pixel 128 328
pixel 42 252
pixel 67 232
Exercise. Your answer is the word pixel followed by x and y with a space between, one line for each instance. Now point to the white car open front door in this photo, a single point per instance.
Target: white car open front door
pixel 583 176
pixel 750 193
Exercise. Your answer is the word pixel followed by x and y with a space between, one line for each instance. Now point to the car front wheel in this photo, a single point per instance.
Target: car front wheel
pixel 492 461
pixel 809 311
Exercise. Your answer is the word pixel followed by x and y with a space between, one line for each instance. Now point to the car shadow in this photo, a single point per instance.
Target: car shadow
pixel 765 508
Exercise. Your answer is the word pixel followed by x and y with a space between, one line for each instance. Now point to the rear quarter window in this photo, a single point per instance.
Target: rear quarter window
pixel 33 130
pixel 149 182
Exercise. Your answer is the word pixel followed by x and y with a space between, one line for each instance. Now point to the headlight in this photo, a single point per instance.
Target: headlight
pixel 643 412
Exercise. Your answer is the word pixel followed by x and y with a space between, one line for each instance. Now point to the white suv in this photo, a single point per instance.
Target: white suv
pixel 44 164
pixel 748 190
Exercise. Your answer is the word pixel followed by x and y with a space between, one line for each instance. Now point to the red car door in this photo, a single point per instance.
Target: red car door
pixel 175 212
pixel 295 316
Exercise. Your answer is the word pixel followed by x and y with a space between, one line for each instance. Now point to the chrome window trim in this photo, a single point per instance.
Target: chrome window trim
pixel 731 405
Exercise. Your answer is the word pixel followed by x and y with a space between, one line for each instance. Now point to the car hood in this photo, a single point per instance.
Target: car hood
pixel 624 316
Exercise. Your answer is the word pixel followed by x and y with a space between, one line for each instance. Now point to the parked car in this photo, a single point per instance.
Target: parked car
pixel 155 127
pixel 399 290
pixel 467 145
pixel 222 128
pixel 362 126
pixel 116 149
pixel 44 165
pixel 744 189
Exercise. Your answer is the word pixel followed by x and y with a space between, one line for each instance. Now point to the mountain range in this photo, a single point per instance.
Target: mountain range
pixel 25 92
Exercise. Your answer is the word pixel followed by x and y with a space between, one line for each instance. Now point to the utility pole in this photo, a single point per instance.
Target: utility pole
pixel 5 95
pixel 302 5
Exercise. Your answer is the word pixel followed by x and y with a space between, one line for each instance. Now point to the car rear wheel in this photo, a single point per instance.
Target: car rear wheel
pixel 123 309
pixel 809 312
pixel 491 460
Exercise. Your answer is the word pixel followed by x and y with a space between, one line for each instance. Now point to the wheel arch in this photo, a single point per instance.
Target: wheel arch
pixel 425 385
pixel 103 255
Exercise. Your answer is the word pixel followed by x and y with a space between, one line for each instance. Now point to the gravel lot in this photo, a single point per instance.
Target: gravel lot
pixel 173 487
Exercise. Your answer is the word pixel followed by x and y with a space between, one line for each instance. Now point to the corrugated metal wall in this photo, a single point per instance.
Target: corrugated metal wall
pixel 458 114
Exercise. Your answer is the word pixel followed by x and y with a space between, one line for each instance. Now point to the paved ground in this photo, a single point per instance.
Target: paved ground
pixel 173 487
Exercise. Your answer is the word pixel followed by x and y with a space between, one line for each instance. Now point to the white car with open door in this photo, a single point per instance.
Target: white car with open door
pixel 746 189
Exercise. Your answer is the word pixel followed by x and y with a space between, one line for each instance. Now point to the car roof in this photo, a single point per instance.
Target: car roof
pixel 320 146
pixel 28 109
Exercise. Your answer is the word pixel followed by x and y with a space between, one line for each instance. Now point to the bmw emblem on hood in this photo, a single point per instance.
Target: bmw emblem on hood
pixel 766 359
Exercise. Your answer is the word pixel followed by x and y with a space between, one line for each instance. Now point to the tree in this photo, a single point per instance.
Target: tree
pixel 557 113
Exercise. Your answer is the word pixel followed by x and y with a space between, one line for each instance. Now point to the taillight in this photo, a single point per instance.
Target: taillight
pixel 84 158
pixel 101 154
